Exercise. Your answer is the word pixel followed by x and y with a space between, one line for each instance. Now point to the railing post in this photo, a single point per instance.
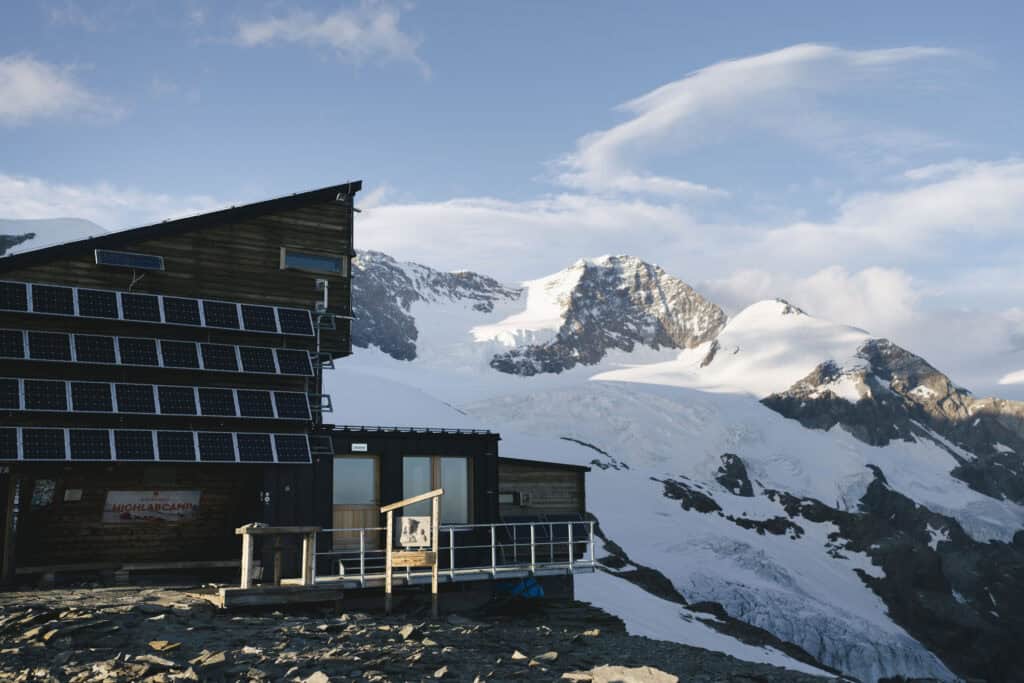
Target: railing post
pixel 362 557
pixel 515 543
pixel 494 552
pixel 593 556
pixel 551 543
pixel 451 553
pixel 572 550
pixel 533 550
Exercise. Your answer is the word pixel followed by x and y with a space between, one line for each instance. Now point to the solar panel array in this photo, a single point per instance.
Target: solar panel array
pixel 72 396
pixel 26 297
pixel 144 445
pixel 164 353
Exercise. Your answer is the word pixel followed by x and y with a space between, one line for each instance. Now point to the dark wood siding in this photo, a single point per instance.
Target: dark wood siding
pixel 74 532
pixel 234 262
pixel 552 490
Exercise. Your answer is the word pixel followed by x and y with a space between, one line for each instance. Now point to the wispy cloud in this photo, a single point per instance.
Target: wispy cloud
pixel 367 32
pixel 108 205
pixel 31 89
pixel 766 91
pixel 71 13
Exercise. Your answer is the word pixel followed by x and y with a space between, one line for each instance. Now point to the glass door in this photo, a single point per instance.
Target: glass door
pixel 356 500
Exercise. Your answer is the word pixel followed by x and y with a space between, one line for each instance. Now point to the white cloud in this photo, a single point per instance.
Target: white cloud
pixel 877 299
pixel 102 203
pixel 367 32
pixel 516 240
pixel 31 89
pixel 769 91
pixel 959 199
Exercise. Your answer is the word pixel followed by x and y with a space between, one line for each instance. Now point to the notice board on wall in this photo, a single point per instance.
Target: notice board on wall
pixel 124 507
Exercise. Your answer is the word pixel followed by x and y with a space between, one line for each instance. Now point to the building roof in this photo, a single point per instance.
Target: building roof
pixel 543 463
pixel 181 225
pixel 363 429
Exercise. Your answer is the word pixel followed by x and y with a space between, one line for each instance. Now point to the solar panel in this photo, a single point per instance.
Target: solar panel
pixel 43 444
pixel 13 296
pixel 179 354
pixel 127 259
pixel 89 444
pixel 137 351
pixel 91 397
pixel 255 448
pixel 255 359
pixel 145 307
pixel 49 346
pixel 220 314
pixel 259 318
pixel 177 400
pixel 295 321
pixel 53 299
pixel 135 398
pixel 216 401
pixel 12 344
pixel 216 447
pixel 96 303
pixel 8 443
pixel 219 357
pixel 176 446
pixel 41 394
pixel 291 447
pixel 10 394
pixel 293 362
pixel 181 311
pixel 254 403
pixel 133 444
pixel 291 405
pixel 92 348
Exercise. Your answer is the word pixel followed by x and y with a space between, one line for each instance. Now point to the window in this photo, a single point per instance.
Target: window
pixel 422 473
pixel 317 263
pixel 126 259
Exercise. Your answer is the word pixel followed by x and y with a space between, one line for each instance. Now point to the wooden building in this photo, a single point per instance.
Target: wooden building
pixel 161 386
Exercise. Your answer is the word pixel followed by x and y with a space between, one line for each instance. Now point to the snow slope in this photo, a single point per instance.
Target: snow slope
pixel 48 231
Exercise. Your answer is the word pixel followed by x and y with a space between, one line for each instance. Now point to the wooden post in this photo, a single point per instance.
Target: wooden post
pixel 7 563
pixel 388 542
pixel 308 545
pixel 435 529
pixel 277 560
pixel 247 561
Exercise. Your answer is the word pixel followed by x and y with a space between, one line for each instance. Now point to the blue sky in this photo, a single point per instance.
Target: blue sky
pixel 865 160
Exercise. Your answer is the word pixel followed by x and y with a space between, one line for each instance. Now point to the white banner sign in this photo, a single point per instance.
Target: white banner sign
pixel 150 506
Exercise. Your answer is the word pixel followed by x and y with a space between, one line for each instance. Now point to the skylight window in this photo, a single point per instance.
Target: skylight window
pixel 127 259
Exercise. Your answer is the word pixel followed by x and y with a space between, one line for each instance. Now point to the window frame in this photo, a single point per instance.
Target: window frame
pixel 343 259
pixel 435 482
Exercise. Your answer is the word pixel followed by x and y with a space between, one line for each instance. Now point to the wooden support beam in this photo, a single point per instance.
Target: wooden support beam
pixel 414 499
pixel 388 543
pixel 7 562
pixel 247 566
pixel 308 557
pixel 435 524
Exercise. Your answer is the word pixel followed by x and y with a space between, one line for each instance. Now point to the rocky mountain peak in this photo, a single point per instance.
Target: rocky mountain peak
pixel 616 302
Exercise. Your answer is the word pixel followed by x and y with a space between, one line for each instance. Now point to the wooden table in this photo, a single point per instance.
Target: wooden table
pixel 248 531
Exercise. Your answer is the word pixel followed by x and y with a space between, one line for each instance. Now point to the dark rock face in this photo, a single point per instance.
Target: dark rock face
pixel 904 397
pixel 8 241
pixel 733 476
pixel 384 290
pixel 618 303
pixel 689 495
pixel 958 597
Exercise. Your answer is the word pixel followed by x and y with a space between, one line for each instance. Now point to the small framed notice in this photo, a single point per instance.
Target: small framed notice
pixel 72 495
pixel 359 448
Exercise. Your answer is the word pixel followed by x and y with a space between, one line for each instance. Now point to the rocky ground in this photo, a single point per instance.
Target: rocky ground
pixel 162 635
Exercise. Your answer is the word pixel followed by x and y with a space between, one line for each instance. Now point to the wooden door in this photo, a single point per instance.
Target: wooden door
pixel 356 501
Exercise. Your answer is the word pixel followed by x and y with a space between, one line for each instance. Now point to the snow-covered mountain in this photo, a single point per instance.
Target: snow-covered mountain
pixel 825 486
pixel 18 235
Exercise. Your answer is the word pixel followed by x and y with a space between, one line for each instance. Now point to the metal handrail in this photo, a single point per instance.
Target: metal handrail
pixel 495 549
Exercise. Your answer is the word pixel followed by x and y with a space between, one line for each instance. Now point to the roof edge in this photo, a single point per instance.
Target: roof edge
pixel 182 225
